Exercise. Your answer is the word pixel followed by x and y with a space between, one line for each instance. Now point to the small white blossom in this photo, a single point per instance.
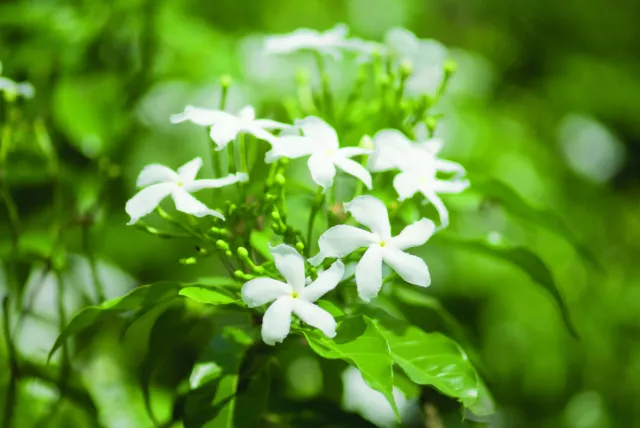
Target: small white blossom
pixel 342 240
pixel 320 143
pixel 419 166
pixel 225 127
pixel 13 89
pixel 158 182
pixel 292 296
pixel 328 42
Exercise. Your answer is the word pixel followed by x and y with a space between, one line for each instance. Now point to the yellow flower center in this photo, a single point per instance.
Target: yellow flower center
pixel 382 243
pixel 295 294
pixel 180 183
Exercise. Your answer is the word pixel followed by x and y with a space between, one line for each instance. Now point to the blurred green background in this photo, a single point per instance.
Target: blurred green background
pixel 546 99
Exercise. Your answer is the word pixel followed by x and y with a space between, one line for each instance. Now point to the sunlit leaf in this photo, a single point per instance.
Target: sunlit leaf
pixel 207 295
pixel 359 342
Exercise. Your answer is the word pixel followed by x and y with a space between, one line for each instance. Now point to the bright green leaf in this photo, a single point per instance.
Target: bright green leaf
pixel 207 295
pixel 359 342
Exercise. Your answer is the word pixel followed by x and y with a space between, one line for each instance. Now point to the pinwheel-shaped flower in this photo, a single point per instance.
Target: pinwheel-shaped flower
pixel 292 296
pixel 225 127
pixel 158 182
pixel 341 240
pixel 419 166
pixel 13 89
pixel 328 42
pixel 320 141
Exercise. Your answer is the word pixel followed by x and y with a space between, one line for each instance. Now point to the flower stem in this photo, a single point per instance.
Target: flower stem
pixel 318 202
pixel 12 388
pixel 327 99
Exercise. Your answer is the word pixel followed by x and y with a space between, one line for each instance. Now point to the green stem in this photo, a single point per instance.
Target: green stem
pixel 12 387
pixel 93 263
pixel 327 99
pixel 317 204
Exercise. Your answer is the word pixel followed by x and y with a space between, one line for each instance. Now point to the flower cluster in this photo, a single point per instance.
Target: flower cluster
pixel 418 171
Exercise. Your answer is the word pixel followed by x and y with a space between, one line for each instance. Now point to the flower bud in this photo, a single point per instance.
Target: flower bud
pixel 259 270
pixel 222 245
pixel 189 261
pixel 366 142
pixel 450 68
pixel 283 161
pixel 225 81
pixel 431 123
pixel 279 179
pixel 242 252
pixel 228 253
pixel 406 68
pixel 299 246
pixel 275 215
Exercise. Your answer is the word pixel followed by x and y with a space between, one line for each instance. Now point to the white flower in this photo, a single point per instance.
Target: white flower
pixel 426 56
pixel 225 127
pixel 327 42
pixel 321 142
pixel 292 296
pixel 342 240
pixel 419 166
pixel 159 182
pixel 13 89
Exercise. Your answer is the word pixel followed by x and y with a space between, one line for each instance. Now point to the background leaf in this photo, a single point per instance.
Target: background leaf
pixel 207 295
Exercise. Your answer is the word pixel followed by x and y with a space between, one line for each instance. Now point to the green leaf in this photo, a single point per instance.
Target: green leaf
pixel 143 297
pixel 517 206
pixel 434 359
pixel 359 342
pixel 260 242
pixel 527 261
pixel 207 295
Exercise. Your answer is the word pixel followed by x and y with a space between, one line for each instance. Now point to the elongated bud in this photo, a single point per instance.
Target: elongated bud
pixel 222 245
pixel 189 261
pixel 299 246
pixel 406 68
pixel 275 215
pixel 366 142
pixel 279 179
pixel 225 81
pixel 242 252
pixel 228 253
pixel 431 123
pixel 450 68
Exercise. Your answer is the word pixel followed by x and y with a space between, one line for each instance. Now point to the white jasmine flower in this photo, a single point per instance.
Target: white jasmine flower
pixel 419 166
pixel 327 42
pixel 292 296
pixel 158 182
pixel 426 56
pixel 320 141
pixel 342 240
pixel 225 127
pixel 13 89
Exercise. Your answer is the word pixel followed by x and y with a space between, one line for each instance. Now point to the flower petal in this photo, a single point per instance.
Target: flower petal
pixel 290 264
pixel 155 173
pixel 449 166
pixel 247 114
pixel 315 316
pixel 200 116
pixel 414 235
pixel 369 273
pixel 371 212
pixel 264 290
pixel 270 124
pixel 318 130
pixel 410 268
pixel 433 198
pixel 216 182
pixel 223 132
pixel 450 186
pixel 353 168
pixel 432 146
pixel 146 200
pixel 189 170
pixel 190 205
pixel 327 281
pixel 322 169
pixel 340 241
pixel 276 321
pixel 349 152
pixel 291 147
pixel 406 185
pixel 392 149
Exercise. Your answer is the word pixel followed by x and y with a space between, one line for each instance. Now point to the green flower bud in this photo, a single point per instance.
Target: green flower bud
pixel 275 227
pixel 228 253
pixel 450 67
pixel 366 142
pixel 275 215
pixel 189 261
pixel 299 246
pixel 215 231
pixel 279 179
pixel 222 244
pixel 431 123
pixel 283 161
pixel 242 252
pixel 225 81
pixel 406 68
pixel 239 274
pixel 270 197
pixel 259 270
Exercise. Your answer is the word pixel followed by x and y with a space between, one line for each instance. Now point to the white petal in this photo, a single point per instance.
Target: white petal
pixel 406 185
pixel 349 152
pixel 432 146
pixel 154 173
pixel 326 281
pixel 259 133
pixel 224 132
pixel 353 168
pixel 410 268
pixel 449 166
pixel 322 169
pixel 216 182
pixel 391 150
pixel 270 124
pixel 450 186
pixel 190 205
pixel 315 316
pixel 200 116
pixel 340 241
pixel 414 235
pixel 290 264
pixel 247 114
pixel 371 212
pixel 146 200
pixel 369 273
pixel 433 198
pixel 276 321
pixel 291 147
pixel 318 130
pixel 264 290
pixel 189 170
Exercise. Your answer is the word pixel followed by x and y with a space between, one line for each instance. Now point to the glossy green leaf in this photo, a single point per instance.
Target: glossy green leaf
pixel 517 206
pixel 143 297
pixel 207 295
pixel 527 261
pixel 359 342
pixel 434 359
